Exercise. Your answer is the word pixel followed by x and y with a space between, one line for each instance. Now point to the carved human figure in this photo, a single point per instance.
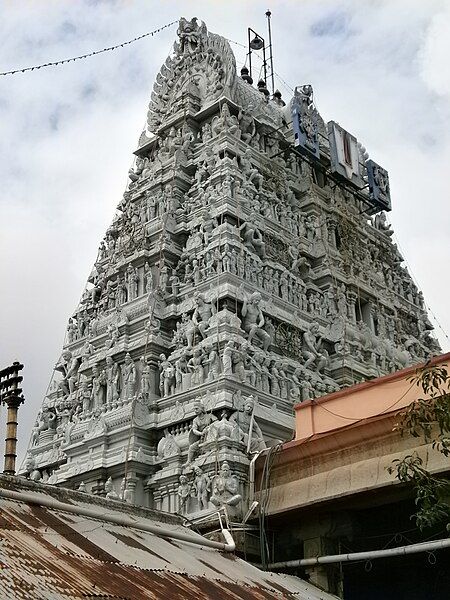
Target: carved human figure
pixel 85 396
pixel 113 335
pixel 253 239
pixel 148 277
pixel 247 124
pixel 166 377
pixel 129 376
pixel 71 331
pixel 164 278
pixel 183 493
pixel 188 329
pixel 132 282
pixel 300 265
pixel 202 314
pixel 146 381
pixel 207 227
pixel 122 294
pixel 199 428
pixel 48 419
pixel 202 487
pixel 251 173
pixel 227 358
pixel 68 366
pixel 195 366
pixel 98 387
pixel 380 223
pixel 213 362
pixel 312 348
pixel 174 281
pixel 181 369
pixel 223 428
pixel 225 488
pixel 253 320
pixel 252 434
pixel 112 375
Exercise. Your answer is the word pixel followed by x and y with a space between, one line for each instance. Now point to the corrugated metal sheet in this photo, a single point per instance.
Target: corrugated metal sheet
pixel 51 555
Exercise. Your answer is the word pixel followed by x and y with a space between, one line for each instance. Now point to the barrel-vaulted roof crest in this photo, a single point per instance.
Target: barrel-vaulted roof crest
pixel 202 63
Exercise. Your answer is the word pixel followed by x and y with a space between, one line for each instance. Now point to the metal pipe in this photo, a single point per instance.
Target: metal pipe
pixel 370 555
pixel 53 504
pixel 251 475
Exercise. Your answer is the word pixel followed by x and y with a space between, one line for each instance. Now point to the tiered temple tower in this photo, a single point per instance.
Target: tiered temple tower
pixel 248 267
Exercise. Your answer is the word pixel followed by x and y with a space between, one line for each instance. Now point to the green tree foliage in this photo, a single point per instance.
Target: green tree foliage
pixel 427 417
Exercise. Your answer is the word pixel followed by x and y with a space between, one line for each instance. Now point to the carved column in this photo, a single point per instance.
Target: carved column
pixel 351 299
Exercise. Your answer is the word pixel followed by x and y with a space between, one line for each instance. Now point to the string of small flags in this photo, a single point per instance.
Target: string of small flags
pixel 82 56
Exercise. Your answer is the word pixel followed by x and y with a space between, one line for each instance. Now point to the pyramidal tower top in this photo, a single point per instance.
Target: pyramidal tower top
pixel 249 267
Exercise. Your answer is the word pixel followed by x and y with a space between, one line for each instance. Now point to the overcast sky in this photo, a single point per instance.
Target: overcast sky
pixel 67 134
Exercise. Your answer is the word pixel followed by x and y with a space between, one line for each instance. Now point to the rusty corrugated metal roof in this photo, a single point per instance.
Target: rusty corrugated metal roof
pixel 51 555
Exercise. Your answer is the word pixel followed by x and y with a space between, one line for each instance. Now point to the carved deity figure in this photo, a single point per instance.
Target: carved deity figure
pixel 252 434
pixel 68 366
pixel 202 486
pixel 195 366
pixel 146 386
pixel 222 429
pixel 188 329
pixel 225 122
pixel 380 223
pixel 300 264
pixel 253 239
pixel 312 348
pixel 183 493
pixel 247 124
pixel 225 488
pixel 202 314
pixel 98 387
pixel 85 395
pixel 253 320
pixel 166 377
pixel 252 175
pixel 213 362
pixel 227 358
pixel 199 428
pixel 112 380
pixel 167 446
pixel 129 376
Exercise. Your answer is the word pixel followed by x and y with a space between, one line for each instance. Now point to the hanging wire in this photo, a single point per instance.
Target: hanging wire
pixel 83 56
pixel 414 278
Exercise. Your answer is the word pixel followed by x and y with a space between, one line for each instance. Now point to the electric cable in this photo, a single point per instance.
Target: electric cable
pixel 89 54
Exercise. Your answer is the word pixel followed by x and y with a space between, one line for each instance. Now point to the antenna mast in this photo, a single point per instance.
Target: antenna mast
pixel 268 15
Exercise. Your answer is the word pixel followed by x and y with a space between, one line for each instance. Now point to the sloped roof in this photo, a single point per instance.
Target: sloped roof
pixel 49 554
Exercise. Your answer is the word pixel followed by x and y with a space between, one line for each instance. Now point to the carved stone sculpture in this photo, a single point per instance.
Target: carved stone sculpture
pixel 166 377
pixel 112 375
pixel 252 434
pixel 200 424
pixel 129 376
pixel 183 493
pixel 202 486
pixel 225 488
pixel 253 320
pixel 202 314
pixel 312 350
pixel 109 489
